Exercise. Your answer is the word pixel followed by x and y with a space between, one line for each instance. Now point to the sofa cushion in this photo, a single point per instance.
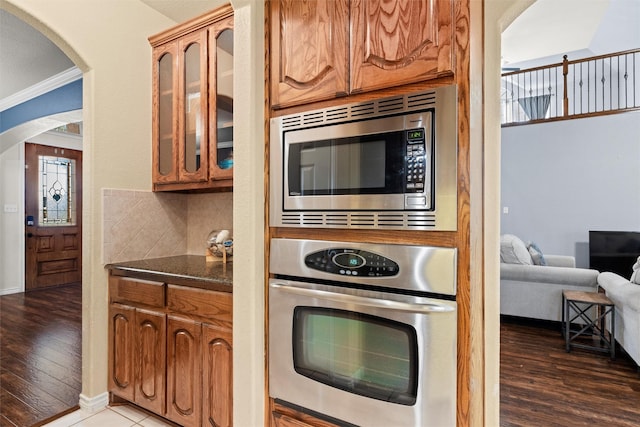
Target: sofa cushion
pixel 513 250
pixel 635 277
pixel 560 276
pixel 620 290
pixel 536 254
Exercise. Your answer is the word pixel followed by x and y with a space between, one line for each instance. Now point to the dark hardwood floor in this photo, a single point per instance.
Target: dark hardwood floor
pixel 543 385
pixel 540 384
pixel 40 354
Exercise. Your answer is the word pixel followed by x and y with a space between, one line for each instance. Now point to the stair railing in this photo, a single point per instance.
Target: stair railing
pixel 598 85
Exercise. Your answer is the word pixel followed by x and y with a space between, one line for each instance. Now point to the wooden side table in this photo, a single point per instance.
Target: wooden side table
pixel 581 303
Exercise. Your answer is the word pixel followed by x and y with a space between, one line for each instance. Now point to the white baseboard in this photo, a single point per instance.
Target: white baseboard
pixel 94 404
pixel 10 291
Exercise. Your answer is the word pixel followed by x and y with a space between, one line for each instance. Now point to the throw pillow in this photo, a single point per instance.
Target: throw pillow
pixel 635 277
pixel 536 254
pixel 513 250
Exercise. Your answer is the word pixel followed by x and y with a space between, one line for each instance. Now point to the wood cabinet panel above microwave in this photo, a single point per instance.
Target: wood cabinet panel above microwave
pixel 400 42
pixel 309 51
pixel 322 50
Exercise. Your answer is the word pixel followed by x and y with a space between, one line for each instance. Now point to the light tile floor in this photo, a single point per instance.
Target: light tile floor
pixel 112 416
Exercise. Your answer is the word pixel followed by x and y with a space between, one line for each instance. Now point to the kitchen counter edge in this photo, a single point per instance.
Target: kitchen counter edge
pixel 185 270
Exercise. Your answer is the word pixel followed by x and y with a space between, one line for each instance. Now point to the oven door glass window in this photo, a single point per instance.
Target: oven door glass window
pixel 371 164
pixel 359 353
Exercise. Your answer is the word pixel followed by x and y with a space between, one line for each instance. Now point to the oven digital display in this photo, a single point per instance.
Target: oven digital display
pixel 349 260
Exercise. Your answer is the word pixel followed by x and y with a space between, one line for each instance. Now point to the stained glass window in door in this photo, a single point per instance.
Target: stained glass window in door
pixel 57 191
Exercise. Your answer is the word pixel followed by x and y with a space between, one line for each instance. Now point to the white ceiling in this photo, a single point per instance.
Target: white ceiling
pixel 548 29
pixel 29 58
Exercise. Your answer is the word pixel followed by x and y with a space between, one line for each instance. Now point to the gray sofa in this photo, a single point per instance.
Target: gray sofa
pixel 531 284
pixel 625 294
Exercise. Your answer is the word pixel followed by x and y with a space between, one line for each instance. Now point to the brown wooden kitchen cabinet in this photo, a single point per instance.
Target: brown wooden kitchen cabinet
pixel 322 49
pixel 192 125
pixel 137 338
pixel 170 350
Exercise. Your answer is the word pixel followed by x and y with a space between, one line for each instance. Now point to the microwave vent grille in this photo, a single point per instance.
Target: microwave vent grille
pixel 365 220
pixel 375 108
pixel 391 105
pixel 421 100
pixel 337 114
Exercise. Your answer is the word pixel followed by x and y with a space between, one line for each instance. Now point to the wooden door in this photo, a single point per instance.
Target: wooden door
pixel 184 375
pixel 309 51
pixel 217 374
pixel 150 359
pixel 53 209
pixel 399 42
pixel 122 347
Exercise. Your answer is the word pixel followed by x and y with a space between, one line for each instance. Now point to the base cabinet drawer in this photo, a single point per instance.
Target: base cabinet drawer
pixel 285 416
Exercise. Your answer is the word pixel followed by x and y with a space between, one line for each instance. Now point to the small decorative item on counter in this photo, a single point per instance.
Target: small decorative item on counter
pixel 219 245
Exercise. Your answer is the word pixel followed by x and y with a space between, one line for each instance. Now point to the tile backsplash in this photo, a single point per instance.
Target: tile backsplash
pixel 143 224
pixel 207 212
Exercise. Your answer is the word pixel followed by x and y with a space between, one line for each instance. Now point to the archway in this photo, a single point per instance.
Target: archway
pixel 37 106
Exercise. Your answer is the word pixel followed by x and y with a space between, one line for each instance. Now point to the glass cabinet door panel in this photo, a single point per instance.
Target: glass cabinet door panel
pixel 165 115
pixel 192 111
pixel 224 99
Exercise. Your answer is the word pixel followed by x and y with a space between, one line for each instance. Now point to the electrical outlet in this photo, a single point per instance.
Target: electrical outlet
pixel 10 208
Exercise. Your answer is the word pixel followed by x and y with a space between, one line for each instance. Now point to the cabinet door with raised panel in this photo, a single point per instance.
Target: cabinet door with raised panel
pixel 184 375
pixel 396 42
pixel 121 351
pixel 217 389
pixel 309 51
pixel 150 359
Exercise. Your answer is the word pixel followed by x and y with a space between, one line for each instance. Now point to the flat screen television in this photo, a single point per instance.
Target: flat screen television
pixel 614 251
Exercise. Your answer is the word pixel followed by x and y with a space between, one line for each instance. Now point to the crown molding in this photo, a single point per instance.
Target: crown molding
pixel 52 83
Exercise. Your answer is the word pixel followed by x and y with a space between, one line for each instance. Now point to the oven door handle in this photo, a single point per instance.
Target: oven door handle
pixel 433 307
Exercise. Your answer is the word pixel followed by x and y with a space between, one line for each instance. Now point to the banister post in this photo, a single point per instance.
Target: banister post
pixel 565 97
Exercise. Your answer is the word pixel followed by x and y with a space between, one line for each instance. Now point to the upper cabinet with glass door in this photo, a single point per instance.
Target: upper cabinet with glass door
pixel 193 104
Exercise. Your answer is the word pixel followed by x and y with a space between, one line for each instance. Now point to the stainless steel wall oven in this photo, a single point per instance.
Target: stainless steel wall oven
pixel 364 333
pixel 388 163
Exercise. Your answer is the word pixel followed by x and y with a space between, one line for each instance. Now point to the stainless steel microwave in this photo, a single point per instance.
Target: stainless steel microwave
pixel 388 163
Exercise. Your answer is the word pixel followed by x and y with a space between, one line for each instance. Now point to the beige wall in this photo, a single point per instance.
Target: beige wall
pixel 498 14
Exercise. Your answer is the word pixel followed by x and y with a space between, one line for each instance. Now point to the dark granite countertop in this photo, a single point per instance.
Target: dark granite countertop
pixel 186 270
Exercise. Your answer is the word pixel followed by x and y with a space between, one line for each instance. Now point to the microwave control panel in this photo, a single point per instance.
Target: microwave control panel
pixel 415 161
pixel 351 262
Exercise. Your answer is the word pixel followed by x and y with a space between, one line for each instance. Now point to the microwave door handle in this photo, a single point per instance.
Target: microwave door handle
pixel 365 301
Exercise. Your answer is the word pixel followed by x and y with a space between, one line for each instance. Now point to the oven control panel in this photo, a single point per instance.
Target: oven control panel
pixel 351 262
